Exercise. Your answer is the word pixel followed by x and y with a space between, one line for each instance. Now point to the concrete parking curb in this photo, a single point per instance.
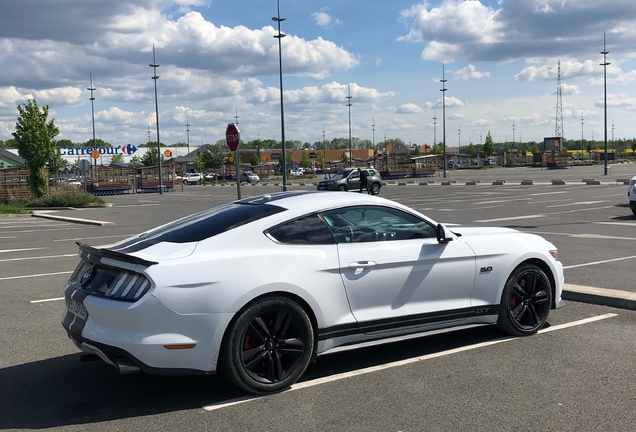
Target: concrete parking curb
pixel 600 296
pixel 71 219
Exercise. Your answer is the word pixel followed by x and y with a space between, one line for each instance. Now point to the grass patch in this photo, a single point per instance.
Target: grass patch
pixel 13 206
pixel 68 196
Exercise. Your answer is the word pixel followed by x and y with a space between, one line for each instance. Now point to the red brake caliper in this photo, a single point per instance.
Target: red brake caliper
pixel 513 302
pixel 248 342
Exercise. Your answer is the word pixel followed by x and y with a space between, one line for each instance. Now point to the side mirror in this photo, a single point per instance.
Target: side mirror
pixel 441 234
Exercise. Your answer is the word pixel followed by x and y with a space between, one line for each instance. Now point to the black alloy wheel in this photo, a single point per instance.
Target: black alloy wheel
pixel 268 347
pixel 526 301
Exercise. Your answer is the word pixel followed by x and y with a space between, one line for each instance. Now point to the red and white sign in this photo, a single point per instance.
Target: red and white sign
pixel 232 136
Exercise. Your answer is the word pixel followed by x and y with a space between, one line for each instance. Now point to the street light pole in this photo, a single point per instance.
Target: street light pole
pixel 188 135
pixel 92 98
pixel 155 77
pixel 350 140
pixel 279 36
pixel 373 142
pixel 443 90
pixel 605 64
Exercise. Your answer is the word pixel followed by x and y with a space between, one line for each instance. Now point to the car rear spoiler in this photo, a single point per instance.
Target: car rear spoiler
pixel 94 254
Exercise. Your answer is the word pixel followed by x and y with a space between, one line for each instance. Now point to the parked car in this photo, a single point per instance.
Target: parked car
pixel 177 300
pixel 349 179
pixel 249 177
pixel 631 193
pixel 192 178
pixel 210 176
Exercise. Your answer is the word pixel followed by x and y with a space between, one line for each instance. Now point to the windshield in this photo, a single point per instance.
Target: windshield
pixel 341 175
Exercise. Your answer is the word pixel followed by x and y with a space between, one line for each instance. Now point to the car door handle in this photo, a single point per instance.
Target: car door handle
pixel 362 264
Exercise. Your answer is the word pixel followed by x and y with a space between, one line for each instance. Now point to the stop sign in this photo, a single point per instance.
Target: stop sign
pixel 232 136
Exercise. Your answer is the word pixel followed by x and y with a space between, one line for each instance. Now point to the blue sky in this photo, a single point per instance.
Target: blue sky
pixel 219 57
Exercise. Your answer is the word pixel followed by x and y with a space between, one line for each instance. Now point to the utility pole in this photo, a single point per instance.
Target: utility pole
pixel 605 52
pixel 443 90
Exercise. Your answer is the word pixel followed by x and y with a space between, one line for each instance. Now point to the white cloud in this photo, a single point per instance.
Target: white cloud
pixel 482 122
pixel 517 29
pixel 470 72
pixel 408 108
pixel 324 19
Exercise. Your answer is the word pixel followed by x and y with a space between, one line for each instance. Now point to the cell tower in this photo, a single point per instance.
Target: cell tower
pixel 558 128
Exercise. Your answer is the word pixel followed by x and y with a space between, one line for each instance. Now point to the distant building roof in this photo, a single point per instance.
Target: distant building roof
pixel 12 156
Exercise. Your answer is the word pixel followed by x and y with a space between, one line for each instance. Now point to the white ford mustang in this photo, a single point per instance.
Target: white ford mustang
pixel 257 288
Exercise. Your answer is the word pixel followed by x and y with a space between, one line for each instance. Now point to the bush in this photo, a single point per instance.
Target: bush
pixel 13 206
pixel 68 196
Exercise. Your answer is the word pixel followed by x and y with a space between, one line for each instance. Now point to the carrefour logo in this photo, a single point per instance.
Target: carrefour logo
pixel 127 149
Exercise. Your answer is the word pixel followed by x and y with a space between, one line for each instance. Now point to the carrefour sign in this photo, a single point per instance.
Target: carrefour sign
pixel 127 149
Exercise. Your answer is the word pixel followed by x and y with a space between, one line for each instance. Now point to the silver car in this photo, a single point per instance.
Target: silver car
pixel 349 179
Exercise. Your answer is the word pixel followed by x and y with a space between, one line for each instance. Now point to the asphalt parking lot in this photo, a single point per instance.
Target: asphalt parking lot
pixel 577 374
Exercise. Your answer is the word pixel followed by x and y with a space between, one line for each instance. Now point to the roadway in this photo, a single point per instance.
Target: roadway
pixel 575 375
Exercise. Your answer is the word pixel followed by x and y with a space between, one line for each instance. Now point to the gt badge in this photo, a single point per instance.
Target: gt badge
pixel 86 277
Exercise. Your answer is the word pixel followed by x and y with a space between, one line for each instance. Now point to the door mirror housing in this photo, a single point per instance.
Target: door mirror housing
pixel 441 234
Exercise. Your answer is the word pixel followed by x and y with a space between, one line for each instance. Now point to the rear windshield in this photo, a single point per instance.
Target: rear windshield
pixel 206 224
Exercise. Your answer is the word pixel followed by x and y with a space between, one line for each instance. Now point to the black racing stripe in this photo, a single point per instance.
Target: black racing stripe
pixel 137 246
pixel 404 321
pixel 94 255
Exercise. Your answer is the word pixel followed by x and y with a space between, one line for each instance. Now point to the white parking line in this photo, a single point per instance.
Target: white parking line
pixel 47 300
pixel 575 203
pixel 599 262
pixel 20 250
pixel 35 275
pixel 8 237
pixel 535 216
pixel 38 257
pixel 372 369
pixel 93 238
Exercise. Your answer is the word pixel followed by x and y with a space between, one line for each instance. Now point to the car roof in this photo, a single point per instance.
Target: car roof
pixel 315 200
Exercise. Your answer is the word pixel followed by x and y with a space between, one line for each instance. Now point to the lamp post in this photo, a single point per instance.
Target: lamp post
pixel 324 158
pixel 434 127
pixel 443 90
pixel 350 141
pixel 92 98
pixel 279 36
pixel 188 137
pixel 155 77
pixel 605 64
pixel 373 142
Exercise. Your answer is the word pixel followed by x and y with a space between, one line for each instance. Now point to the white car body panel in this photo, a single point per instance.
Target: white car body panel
pixel 406 277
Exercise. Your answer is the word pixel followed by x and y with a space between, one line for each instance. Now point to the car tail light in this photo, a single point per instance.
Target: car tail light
pixel 109 282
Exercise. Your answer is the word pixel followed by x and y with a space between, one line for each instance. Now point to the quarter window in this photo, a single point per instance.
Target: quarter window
pixel 306 230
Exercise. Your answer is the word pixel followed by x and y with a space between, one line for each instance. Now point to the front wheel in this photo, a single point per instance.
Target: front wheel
pixel 268 347
pixel 525 302
pixel 375 188
pixel 342 188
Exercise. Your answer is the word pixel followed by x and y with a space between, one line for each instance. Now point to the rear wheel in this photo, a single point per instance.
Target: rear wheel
pixel 268 347
pixel 525 302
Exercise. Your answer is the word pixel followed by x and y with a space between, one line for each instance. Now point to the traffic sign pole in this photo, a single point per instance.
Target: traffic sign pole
pixel 233 139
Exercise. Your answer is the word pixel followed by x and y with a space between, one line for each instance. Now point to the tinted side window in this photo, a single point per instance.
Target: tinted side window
pixel 306 230
pixel 362 224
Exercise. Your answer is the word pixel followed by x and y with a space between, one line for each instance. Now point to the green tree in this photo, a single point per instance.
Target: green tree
pixel 212 157
pixel 35 139
pixel 489 146
pixel 254 160
pixel 151 157
pixel 56 162
pixel 320 157
pixel 633 145
pixel 198 163
pixel 471 149
pixel 344 157
pixel 304 161
pixel 117 158
pixel 10 143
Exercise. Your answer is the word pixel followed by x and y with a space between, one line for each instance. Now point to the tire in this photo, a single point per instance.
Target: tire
pixel 268 347
pixel 525 302
pixel 634 209
pixel 342 188
pixel 185 182
pixel 375 189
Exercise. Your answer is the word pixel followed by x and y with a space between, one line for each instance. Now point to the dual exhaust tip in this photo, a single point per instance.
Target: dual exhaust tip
pixel 121 364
